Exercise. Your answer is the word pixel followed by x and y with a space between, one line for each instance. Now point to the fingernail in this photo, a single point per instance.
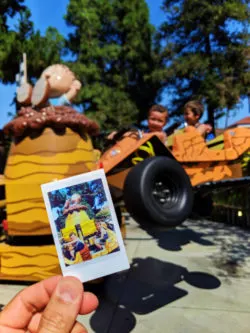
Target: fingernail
pixel 66 291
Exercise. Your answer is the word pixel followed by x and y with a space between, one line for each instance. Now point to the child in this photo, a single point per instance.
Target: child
pixel 69 252
pixel 76 250
pixel 157 119
pixel 71 248
pixel 73 204
pixel 101 235
pixel 77 243
pixel 193 111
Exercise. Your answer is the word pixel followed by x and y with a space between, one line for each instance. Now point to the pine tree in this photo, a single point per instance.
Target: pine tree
pixel 204 46
pixel 8 9
pixel 42 51
pixel 113 57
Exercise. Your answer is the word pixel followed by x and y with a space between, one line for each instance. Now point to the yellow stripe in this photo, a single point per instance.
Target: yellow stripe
pixel 2 203
pixel 36 271
pixel 31 201
pixel 17 192
pixel 59 158
pixel 2 238
pixel 2 180
pixel 37 213
pixel 43 178
pixel 50 152
pixel 24 205
pixel 41 260
pixel 38 172
pixel 19 209
pixel 29 251
pixel 34 164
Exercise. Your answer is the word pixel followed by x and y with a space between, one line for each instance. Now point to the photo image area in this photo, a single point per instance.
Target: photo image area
pixel 83 221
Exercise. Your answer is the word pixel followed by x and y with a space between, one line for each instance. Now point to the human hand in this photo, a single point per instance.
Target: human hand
pixel 51 305
pixel 208 128
pixel 162 136
pixel 204 129
pixel 76 207
pixel 70 209
pixel 75 87
pixel 111 135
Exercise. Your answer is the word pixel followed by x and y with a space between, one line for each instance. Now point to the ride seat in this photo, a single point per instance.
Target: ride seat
pixel 85 253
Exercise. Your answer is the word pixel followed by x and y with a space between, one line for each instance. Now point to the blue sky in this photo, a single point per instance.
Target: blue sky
pixel 50 13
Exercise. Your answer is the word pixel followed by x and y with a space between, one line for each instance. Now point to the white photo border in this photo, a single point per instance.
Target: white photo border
pixel 97 267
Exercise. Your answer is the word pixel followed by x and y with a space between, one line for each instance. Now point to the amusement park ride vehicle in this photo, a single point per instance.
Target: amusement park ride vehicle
pixel 157 183
pixel 141 167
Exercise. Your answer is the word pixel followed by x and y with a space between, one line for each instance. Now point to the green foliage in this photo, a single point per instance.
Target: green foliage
pixel 89 192
pixel 103 214
pixel 42 51
pixel 111 51
pixel 9 8
pixel 205 46
pixel 113 57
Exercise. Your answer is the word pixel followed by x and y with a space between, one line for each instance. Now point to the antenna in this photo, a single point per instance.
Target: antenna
pixel 24 89
pixel 21 77
pixel 25 74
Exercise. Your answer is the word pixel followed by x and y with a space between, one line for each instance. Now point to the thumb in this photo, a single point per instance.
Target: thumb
pixel 64 306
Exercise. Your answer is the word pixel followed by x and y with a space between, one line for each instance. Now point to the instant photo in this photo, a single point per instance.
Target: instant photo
pixel 84 226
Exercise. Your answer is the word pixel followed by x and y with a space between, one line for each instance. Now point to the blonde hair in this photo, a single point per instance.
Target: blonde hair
pixel 76 196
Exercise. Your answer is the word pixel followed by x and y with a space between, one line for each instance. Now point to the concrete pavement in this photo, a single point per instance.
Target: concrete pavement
pixel 192 279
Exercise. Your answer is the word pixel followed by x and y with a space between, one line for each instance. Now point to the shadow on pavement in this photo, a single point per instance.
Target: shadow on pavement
pixel 175 239
pixel 232 243
pixel 112 318
pixel 147 286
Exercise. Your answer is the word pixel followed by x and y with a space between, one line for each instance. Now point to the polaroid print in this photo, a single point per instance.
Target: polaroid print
pixel 84 226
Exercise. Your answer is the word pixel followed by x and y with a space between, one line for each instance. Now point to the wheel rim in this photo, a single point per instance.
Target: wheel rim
pixel 165 191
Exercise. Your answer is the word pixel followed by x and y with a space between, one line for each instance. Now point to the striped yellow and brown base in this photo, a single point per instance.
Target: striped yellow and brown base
pixel 31 163
pixel 28 263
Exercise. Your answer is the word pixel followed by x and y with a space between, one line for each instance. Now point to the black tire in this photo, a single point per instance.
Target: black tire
pixel 158 191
